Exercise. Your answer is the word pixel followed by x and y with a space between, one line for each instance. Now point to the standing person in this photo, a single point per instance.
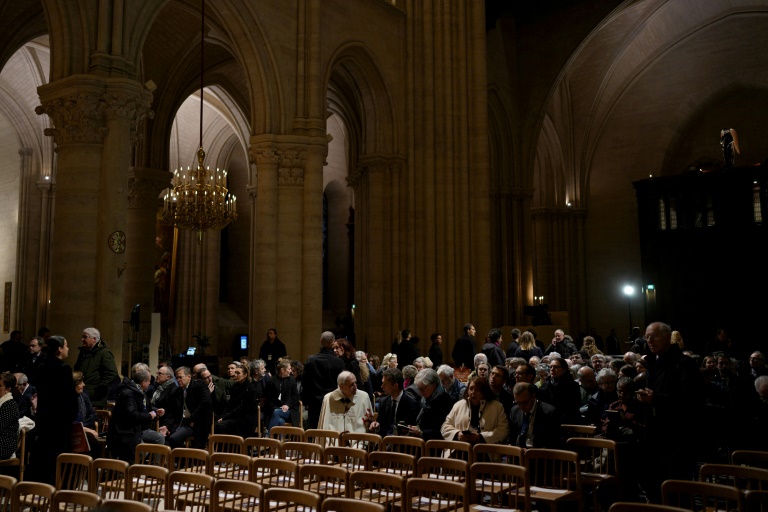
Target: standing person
pixel 528 348
pixel 13 352
pixel 98 366
pixel 35 358
pixel 271 350
pixel 195 413
pixel 56 410
pixel 492 348
pixel 464 351
pixel 561 345
pixel 407 350
pixel 320 373
pixel 435 352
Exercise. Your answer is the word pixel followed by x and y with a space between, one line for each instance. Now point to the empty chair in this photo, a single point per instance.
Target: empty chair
pixel 555 476
pixel 262 447
pixel 351 459
pixel 303 453
pixel 6 492
pixel 453 470
pixel 570 431
pixel 324 438
pixel 756 501
pixel 599 468
pixel 153 455
pixel 700 495
pixel 754 458
pixel 126 506
pixel 274 472
pixel 108 478
pixel 147 484
pixel 426 495
pixel 72 471
pixel 235 496
pixel 225 443
pixel 363 441
pixel 350 505
pixel 450 449
pixel 289 500
pixel 404 444
pixel 395 463
pixel 284 433
pixel 103 417
pixel 326 481
pixel 34 496
pixel 234 466
pixel 189 491
pixel 75 501
pixel 376 487
pixel 193 460
pixel 643 507
pixel 745 478
pixel 482 452
pixel 504 485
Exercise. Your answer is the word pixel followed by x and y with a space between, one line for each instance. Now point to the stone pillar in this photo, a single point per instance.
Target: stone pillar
pixel 24 287
pixel 44 257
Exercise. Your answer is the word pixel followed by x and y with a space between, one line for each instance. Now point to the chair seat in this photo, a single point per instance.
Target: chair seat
pixel 485 508
pixel 376 496
pixel 544 493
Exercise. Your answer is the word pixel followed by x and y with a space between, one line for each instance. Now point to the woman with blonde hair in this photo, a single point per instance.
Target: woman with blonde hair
pixel 528 348
pixel 590 347
pixel 678 339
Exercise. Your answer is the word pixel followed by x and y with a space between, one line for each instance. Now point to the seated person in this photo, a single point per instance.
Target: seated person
pixel 283 397
pixel 435 406
pixel 9 416
pixel 602 400
pixel 479 418
pixel 453 386
pixel 396 407
pixel 533 424
pixel 240 414
pixel 346 407
pixel 130 418
pixel 86 414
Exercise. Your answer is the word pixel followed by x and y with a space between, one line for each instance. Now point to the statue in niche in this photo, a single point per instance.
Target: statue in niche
pixel 729 141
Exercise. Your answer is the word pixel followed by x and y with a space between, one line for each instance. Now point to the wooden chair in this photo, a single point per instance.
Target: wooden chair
pixel 289 500
pixel 7 484
pixel 438 468
pixel 21 457
pixel 745 478
pixel 350 505
pixel 569 431
pixel 327 481
pixel 189 491
pixel 376 487
pixel 191 460
pixel 363 441
pixel 284 433
pixel 234 466
pixel 449 449
pixel 153 455
pixel 34 496
pixel 509 454
pixel 75 501
pixel 400 464
pixel 108 478
pixel 505 485
pixel 351 459
pixel 225 443
pixel 274 472
pixel 404 444
pixel 303 453
pixel 72 471
pixel 325 438
pixel 427 495
pixel 691 495
pixel 126 506
pixel 262 447
pixel 753 458
pixel 555 476
pixel 103 417
pixel 599 468
pixel 147 484
pixel 756 501
pixel 236 496
pixel 643 507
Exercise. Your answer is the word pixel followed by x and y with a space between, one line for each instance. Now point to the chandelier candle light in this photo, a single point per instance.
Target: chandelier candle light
pixel 199 199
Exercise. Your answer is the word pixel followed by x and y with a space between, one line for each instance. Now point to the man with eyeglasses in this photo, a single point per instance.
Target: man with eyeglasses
pixel 163 398
pixel 562 392
pixel 532 424
pixel 435 406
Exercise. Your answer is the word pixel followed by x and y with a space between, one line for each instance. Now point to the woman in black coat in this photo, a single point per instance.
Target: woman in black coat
pixel 240 416
pixel 283 397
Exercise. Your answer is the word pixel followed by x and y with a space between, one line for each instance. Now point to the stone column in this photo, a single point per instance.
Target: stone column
pixel 44 257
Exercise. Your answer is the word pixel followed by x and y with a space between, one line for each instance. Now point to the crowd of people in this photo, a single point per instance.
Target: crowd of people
pixel 667 408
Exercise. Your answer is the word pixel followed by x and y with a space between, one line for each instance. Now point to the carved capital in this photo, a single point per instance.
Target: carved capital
pixel 371 165
pixel 128 105
pixel 79 118
pixel 144 187
pixel 291 166
pixel 264 155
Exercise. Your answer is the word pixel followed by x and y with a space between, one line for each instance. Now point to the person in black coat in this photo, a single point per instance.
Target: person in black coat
pixel 129 416
pixel 164 397
pixel 241 414
pixel 435 405
pixel 562 392
pixel 193 408
pixel 26 392
pixel 272 350
pixel 464 349
pixel 397 407
pixel 283 397
pixel 542 429
pixel 435 352
pixel 320 373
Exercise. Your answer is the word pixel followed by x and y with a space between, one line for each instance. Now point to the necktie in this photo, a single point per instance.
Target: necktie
pixel 521 440
pixel 394 416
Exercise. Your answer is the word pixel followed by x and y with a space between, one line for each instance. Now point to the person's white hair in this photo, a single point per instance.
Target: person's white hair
pixel 480 358
pixel 445 370
pixel 344 377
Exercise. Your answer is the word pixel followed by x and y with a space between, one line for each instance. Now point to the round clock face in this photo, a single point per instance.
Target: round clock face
pixel 116 242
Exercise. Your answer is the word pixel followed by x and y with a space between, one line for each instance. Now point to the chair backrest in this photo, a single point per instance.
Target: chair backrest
pixel 404 444
pixel 324 480
pixel 351 459
pixel 262 447
pixel 284 433
pixel 191 460
pixel 756 501
pixel 754 458
pixel 153 455
pixel 234 466
pixel 274 472
pixel 686 494
pixel 235 496
pixel 225 443
pixel 440 495
pixel 350 505
pixel 597 456
pixel 438 468
pixel 303 453
pixel 126 506
pixel 376 487
pixel 72 471
pixel 147 484
pixel 279 499
pixel 6 492
pixel 745 478
pixel 509 454
pixel 323 437
pixel 363 441
pixel 103 417
pixel 505 485
pixel 450 449
pixel 108 478
pixel 553 469
pixel 625 506
pixel 390 462
pixel 35 496
pixel 75 501
pixel 568 431
pixel 187 491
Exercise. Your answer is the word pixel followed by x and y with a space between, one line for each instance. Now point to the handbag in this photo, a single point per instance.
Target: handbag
pixel 80 442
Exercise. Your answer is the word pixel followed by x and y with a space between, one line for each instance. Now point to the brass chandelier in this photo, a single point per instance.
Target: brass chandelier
pixel 199 199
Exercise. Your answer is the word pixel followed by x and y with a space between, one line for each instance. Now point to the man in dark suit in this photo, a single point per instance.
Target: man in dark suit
pixel 397 407
pixel 164 397
pixel 26 392
pixel 194 402
pixel 533 424
pixel 320 373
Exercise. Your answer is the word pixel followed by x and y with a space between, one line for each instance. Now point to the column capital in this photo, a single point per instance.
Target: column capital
pixel 144 186
pixel 374 164
pixel 290 170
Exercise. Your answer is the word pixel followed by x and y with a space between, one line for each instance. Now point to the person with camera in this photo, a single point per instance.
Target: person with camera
pixel 397 409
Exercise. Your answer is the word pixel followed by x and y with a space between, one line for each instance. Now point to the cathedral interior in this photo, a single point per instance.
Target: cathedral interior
pixel 397 163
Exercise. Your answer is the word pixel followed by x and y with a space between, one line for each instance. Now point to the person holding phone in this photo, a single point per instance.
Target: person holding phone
pixel 479 418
